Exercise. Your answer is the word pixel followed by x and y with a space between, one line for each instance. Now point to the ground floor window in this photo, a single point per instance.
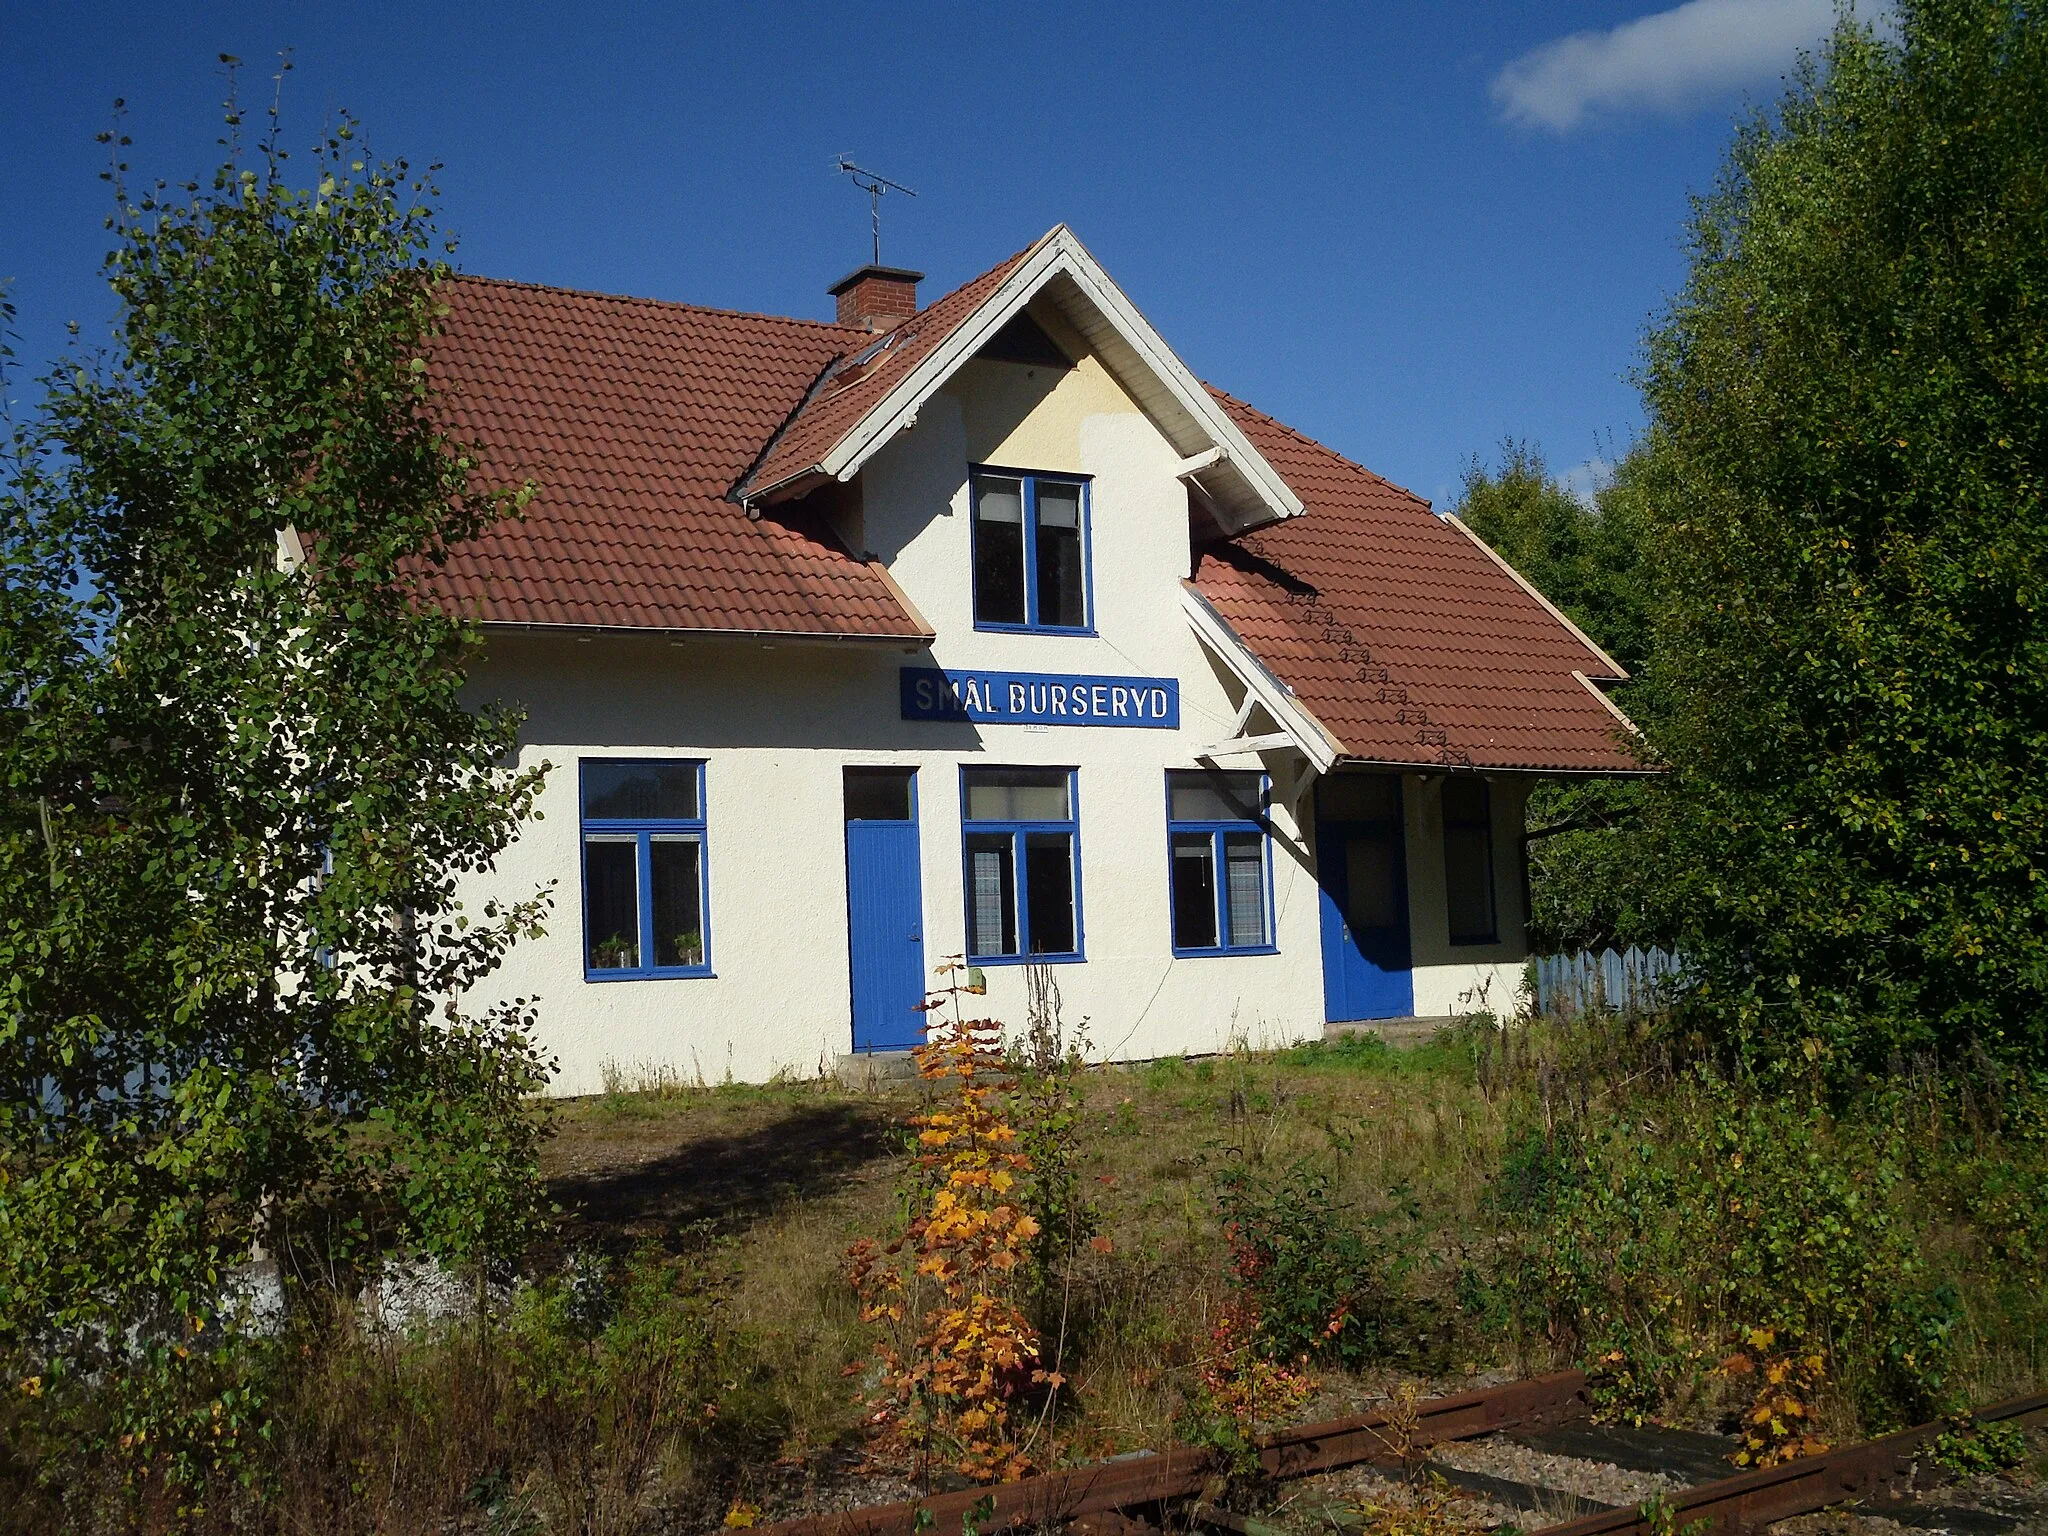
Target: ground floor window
pixel 1468 861
pixel 1023 874
pixel 1216 837
pixel 644 876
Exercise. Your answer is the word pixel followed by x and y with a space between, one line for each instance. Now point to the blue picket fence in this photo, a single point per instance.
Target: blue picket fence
pixel 1627 981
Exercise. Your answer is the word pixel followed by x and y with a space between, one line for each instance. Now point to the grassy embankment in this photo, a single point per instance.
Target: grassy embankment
pixel 1530 1199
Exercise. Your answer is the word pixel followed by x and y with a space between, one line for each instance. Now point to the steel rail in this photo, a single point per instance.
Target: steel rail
pixel 1103 1486
pixel 1867 1473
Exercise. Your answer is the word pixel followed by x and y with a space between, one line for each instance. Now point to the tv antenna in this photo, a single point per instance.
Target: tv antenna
pixel 875 184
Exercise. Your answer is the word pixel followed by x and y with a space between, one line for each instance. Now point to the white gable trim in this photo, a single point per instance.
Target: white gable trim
pixel 1264 497
pixel 1300 730
pixel 1611 707
pixel 1616 672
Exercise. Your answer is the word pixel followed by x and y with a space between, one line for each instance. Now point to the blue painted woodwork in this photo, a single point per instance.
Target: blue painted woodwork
pixel 1040 698
pixel 1367 972
pixel 1029 481
pixel 885 930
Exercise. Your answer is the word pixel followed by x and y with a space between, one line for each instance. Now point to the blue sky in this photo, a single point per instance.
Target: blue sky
pixel 1407 228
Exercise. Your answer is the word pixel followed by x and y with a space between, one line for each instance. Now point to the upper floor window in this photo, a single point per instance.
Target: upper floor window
pixel 1468 861
pixel 1216 838
pixel 1023 876
pixel 1030 551
pixel 643 869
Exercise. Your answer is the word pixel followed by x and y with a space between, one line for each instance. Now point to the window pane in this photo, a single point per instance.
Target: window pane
pixel 878 794
pixel 1062 588
pixel 1468 883
pixel 677 864
pixel 1194 890
pixel 1244 864
pixel 1359 797
pixel 1049 891
pixel 1214 796
pixel 1017 794
pixel 1372 889
pixel 611 902
pixel 1465 800
pixel 999 551
pixel 991 895
pixel 640 791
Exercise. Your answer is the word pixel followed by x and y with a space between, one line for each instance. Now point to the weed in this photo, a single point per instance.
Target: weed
pixel 1324 1282
pixel 1239 1390
pixel 1779 1424
pixel 1660 1518
pixel 1967 1448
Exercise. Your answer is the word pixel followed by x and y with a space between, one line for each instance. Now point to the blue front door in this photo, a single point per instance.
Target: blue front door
pixel 884 909
pixel 1361 866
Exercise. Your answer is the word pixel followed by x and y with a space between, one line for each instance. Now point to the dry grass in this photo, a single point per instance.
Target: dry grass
pixel 1153 1138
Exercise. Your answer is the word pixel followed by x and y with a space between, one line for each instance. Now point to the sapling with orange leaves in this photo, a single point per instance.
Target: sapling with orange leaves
pixel 955 1349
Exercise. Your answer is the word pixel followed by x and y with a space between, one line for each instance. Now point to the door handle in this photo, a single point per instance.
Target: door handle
pixel 916 936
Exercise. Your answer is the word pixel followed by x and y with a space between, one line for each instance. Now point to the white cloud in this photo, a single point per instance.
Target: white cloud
pixel 1668 62
pixel 1585 481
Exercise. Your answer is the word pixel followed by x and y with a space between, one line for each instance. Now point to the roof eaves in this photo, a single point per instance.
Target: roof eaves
pixel 902 641
pixel 1193 395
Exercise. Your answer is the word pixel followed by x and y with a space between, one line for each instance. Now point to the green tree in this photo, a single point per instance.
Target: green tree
pixel 240 782
pixel 1584 556
pixel 1849 438
pixel 1585 857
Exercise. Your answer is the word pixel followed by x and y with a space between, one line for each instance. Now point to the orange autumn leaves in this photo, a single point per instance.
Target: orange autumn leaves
pixel 1779 1424
pixel 955 1349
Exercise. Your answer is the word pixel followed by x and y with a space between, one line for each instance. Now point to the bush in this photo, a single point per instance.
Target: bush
pixel 610 1382
pixel 1326 1283
pixel 1668 1239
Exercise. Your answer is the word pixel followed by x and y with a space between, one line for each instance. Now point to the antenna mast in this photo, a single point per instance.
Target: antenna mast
pixel 875 185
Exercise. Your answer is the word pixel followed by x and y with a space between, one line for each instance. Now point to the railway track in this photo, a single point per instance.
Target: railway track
pixel 1549 1414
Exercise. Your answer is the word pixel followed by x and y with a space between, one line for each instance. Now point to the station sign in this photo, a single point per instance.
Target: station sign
pixel 1040 698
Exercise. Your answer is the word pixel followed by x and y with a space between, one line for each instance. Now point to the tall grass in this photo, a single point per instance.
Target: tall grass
pixel 1562 1193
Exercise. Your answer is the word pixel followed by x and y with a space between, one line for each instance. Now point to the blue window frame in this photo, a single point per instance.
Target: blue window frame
pixel 645 882
pixel 1021 841
pixel 1220 866
pixel 1031 565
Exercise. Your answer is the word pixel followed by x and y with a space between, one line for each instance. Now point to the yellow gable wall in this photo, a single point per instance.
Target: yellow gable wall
pixel 1031 418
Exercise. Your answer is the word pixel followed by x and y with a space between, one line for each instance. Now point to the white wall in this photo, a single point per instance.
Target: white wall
pixel 776 724
pixel 1465 978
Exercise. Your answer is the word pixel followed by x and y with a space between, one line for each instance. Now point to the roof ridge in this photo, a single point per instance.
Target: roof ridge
pixel 1316 442
pixel 848 331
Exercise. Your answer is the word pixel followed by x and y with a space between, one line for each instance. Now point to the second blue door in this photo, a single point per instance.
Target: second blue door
pixel 1361 860
pixel 884 909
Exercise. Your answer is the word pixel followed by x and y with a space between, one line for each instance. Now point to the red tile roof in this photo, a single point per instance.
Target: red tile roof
pixel 636 418
pixel 849 392
pixel 639 419
pixel 1398 632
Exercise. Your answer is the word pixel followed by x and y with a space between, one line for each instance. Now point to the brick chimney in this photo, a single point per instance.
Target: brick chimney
pixel 876 298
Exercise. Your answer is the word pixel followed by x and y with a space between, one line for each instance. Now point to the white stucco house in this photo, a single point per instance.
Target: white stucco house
pixel 982 629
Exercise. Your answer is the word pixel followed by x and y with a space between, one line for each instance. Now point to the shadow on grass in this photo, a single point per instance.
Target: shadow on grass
pixel 711 1184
